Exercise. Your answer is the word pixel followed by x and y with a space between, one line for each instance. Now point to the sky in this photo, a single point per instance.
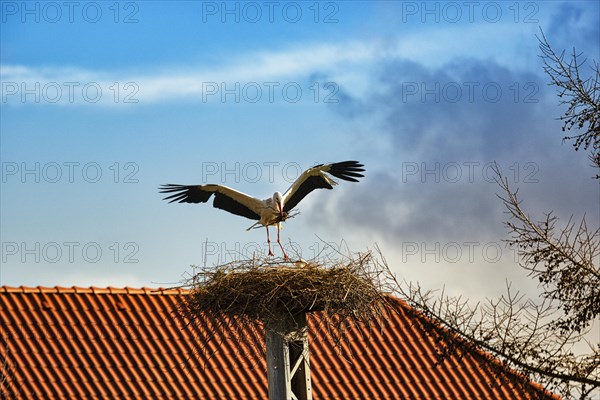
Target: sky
pixel 102 102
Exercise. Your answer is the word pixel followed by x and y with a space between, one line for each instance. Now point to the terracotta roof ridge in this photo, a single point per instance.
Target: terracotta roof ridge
pixel 93 290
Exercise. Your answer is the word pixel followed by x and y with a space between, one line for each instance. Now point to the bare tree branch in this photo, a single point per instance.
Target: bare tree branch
pixel 562 262
pixel 516 331
pixel 582 96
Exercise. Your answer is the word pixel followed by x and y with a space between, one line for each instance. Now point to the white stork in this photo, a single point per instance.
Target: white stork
pixel 271 211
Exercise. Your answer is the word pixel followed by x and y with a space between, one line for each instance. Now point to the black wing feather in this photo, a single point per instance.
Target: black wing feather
pixel 347 170
pixel 186 193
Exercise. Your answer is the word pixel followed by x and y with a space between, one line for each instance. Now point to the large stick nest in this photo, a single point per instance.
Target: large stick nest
pixel 270 292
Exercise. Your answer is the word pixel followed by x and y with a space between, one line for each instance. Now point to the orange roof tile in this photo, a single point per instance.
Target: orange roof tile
pixel 110 343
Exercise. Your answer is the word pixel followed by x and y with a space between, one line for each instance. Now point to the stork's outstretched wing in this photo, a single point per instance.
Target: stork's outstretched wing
pixel 317 178
pixel 227 199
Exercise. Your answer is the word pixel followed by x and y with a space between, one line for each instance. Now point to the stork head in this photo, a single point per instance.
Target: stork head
pixel 278 201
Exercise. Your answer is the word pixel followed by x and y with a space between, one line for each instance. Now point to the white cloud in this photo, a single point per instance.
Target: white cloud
pixel 44 85
pixel 349 64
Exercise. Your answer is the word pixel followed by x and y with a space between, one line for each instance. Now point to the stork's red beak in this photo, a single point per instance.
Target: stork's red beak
pixel 280 209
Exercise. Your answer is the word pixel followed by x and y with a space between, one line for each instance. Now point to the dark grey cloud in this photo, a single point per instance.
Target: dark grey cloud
pixel 436 185
pixel 468 107
pixel 384 206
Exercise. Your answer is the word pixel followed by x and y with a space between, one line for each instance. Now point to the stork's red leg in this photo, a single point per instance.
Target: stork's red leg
pixel 269 241
pixel 285 256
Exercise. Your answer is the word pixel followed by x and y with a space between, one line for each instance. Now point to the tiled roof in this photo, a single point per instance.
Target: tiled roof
pixel 108 343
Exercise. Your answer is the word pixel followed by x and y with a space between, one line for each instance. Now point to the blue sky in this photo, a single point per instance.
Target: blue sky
pixel 102 102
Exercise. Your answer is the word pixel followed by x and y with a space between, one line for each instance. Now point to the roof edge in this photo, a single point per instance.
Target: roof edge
pixel 93 290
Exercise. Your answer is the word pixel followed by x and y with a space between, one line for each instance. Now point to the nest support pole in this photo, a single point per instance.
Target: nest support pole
pixel 288 367
pixel 278 298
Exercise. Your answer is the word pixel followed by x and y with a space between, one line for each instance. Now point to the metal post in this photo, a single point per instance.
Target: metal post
pixel 288 367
